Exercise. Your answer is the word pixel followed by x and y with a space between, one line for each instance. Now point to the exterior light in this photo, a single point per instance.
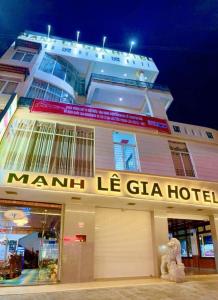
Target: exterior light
pixel 132 43
pixel 102 71
pixel 104 40
pixel 120 98
pixel 49 30
pixel 125 75
pixel 77 36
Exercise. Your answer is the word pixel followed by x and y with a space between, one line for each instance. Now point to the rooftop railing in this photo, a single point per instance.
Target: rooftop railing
pixel 129 82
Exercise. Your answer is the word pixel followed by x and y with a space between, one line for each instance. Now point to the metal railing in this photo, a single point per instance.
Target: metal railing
pixel 129 82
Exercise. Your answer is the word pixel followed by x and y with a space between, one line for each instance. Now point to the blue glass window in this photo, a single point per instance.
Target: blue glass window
pixel 125 151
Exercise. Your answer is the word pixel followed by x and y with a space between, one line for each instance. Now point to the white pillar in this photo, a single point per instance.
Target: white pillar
pixel 160 236
pixel 214 231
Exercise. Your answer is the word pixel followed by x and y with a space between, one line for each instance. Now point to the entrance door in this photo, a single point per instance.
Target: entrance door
pixel 197 248
pixel 123 243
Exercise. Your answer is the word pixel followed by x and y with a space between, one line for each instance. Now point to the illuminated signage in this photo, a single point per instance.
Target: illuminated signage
pixel 143 187
pixel 95 113
pixel 9 112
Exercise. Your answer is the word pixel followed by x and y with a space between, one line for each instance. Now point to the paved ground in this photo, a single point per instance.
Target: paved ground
pixel 196 287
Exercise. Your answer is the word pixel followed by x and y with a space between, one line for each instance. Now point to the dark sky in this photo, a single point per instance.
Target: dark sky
pixel 180 35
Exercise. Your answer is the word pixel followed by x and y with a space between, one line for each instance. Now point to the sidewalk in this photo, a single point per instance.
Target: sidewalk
pixel 200 287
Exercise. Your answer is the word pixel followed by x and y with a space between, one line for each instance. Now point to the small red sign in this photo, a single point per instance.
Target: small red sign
pixel 95 113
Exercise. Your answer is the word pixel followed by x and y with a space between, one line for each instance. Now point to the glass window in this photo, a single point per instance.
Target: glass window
pixel 49 148
pixel 23 56
pixel 60 70
pixel 63 70
pixel 2 83
pixel 10 88
pixel 28 57
pixel 29 242
pixel 125 151
pixel 18 55
pixel 206 245
pixel 209 135
pixel 43 90
pixel 47 64
pixel 176 128
pixel 181 159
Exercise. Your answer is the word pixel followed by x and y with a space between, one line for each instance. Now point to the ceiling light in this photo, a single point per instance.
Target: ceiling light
pixel 102 71
pixel 120 98
pixel 124 74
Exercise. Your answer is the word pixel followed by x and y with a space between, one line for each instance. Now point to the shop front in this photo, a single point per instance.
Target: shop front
pixel 29 242
pixel 112 225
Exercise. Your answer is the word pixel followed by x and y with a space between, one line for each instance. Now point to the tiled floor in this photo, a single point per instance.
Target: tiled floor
pixel 200 287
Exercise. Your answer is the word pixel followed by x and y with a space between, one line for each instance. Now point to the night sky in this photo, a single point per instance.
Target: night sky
pixel 180 35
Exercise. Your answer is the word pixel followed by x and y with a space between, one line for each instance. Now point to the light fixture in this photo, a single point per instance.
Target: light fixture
pixel 125 75
pixel 102 71
pixel 49 30
pixel 77 36
pixel 104 40
pixel 132 43
pixel 120 99
pixel 21 222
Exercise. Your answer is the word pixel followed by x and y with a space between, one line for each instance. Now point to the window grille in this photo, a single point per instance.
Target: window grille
pixel 8 87
pixel 37 146
pixel 181 159
pixel 43 90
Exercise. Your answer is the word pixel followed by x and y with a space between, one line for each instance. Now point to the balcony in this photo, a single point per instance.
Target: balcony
pixel 127 82
pixel 128 95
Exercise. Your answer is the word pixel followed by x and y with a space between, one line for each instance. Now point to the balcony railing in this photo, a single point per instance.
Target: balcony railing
pixel 128 82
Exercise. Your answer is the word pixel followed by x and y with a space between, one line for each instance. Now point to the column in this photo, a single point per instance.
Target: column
pixel 77 264
pixel 214 232
pixel 160 236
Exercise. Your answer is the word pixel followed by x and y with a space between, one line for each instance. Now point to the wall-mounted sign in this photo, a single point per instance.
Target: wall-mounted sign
pixel 95 113
pixel 141 186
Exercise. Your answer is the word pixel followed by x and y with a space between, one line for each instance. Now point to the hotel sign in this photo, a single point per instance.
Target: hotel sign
pixel 139 186
pixel 94 113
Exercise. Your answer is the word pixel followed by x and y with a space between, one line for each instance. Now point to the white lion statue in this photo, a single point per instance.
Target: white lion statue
pixel 172 267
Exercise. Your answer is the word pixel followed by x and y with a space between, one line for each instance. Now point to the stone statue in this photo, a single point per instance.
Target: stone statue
pixel 172 267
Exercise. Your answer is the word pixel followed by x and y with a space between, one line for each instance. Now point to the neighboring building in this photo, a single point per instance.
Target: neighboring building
pixel 94 177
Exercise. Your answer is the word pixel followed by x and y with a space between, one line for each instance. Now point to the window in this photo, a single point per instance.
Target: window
pixel 125 151
pixel 176 128
pixel 181 159
pixel 206 245
pixel 29 246
pixel 209 135
pixel 8 87
pixel 23 56
pixel 62 69
pixel 55 148
pixel 43 90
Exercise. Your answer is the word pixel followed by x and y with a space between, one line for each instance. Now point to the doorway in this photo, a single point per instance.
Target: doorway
pixel 197 249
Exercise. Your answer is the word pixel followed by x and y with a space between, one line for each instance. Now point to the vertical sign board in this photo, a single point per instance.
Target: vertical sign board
pixel 7 114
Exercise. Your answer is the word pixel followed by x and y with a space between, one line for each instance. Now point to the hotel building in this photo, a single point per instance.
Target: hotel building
pixel 94 177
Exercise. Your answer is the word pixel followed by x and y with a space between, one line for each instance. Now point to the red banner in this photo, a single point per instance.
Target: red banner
pixel 95 113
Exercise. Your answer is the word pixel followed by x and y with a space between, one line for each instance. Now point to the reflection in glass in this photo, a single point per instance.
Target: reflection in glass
pixel 29 243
